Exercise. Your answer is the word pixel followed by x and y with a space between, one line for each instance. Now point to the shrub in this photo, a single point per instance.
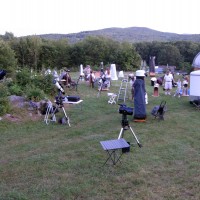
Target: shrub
pixel 4 101
pixel 44 83
pixel 15 90
pixel 33 93
pixel 23 78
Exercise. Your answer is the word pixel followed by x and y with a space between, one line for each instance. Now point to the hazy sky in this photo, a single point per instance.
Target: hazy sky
pixel 30 17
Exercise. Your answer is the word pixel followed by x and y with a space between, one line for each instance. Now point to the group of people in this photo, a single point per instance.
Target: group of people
pixel 90 76
pixel 182 87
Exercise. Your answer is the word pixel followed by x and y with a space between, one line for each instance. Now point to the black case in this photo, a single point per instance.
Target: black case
pixel 2 73
pixel 73 98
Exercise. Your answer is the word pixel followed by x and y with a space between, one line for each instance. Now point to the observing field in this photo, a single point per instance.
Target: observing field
pixel 58 162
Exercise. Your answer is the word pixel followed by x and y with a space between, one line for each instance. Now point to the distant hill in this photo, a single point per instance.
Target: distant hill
pixel 132 34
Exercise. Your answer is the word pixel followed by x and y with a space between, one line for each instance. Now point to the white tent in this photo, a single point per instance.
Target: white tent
pixel 113 72
pixel 194 85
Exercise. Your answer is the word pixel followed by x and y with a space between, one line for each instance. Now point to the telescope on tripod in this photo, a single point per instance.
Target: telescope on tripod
pixel 52 110
pixel 124 110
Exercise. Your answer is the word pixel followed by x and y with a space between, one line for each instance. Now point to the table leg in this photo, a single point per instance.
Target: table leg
pixel 113 156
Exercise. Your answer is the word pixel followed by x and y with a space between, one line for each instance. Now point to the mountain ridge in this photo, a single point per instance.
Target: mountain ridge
pixel 129 34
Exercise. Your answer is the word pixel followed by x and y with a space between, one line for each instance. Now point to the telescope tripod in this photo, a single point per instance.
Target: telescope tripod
pixel 100 89
pixel 52 110
pixel 126 126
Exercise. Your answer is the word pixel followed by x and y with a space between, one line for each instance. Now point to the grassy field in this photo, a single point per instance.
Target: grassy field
pixel 58 162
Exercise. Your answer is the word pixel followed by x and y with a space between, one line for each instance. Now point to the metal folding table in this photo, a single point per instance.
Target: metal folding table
pixel 74 103
pixel 112 146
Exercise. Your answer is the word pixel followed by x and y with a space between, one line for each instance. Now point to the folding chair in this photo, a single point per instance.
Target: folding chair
pixel 112 97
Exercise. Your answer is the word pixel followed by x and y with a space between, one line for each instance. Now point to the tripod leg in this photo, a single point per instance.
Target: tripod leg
pixel 121 133
pixel 100 88
pixel 135 137
pixel 66 116
pixel 53 115
pixel 50 116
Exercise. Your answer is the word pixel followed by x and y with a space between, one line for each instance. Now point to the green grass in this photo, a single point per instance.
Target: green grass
pixel 39 161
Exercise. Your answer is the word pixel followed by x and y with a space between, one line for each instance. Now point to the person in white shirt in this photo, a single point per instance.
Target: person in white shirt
pixel 168 78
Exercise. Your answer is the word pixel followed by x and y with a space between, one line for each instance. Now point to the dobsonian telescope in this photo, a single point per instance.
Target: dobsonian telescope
pixel 124 110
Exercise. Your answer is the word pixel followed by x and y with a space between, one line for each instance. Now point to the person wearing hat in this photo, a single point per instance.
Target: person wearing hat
pixel 168 78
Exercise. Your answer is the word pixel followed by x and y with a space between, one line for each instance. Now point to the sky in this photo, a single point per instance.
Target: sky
pixel 34 17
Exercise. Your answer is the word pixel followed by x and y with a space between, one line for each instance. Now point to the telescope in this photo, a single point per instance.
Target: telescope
pixel 123 109
pixel 59 87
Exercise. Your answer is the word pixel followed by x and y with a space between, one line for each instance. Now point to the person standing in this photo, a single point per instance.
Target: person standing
pixel 168 78
pixel 178 90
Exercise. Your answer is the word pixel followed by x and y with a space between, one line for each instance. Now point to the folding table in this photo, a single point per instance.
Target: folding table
pixel 112 146
pixel 74 103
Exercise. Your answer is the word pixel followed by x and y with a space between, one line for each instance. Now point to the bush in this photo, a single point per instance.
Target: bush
pixel 4 101
pixel 15 90
pixel 23 78
pixel 44 83
pixel 33 93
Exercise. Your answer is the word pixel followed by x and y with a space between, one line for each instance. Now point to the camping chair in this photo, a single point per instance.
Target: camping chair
pixel 74 85
pixel 159 111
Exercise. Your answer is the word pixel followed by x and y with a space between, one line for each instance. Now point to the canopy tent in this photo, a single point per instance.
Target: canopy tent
pixel 196 61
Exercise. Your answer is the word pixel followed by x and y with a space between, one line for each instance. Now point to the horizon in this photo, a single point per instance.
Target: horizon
pixel 102 29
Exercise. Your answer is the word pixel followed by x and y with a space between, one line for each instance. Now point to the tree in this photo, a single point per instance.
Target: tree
pixel 33 51
pixel 7 57
pixel 128 58
pixel 169 55
pixel 8 36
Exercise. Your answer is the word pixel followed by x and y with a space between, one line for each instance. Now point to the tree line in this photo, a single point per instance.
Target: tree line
pixel 33 52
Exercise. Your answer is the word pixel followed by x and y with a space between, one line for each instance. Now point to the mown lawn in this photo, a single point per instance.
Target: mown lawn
pixel 39 161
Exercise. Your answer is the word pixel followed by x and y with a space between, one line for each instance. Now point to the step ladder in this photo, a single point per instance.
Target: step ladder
pixel 122 95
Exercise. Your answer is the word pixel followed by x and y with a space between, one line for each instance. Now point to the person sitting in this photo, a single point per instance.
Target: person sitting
pixel 91 77
pixel 185 87
pixel 67 78
pixel 108 76
pixel 87 71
